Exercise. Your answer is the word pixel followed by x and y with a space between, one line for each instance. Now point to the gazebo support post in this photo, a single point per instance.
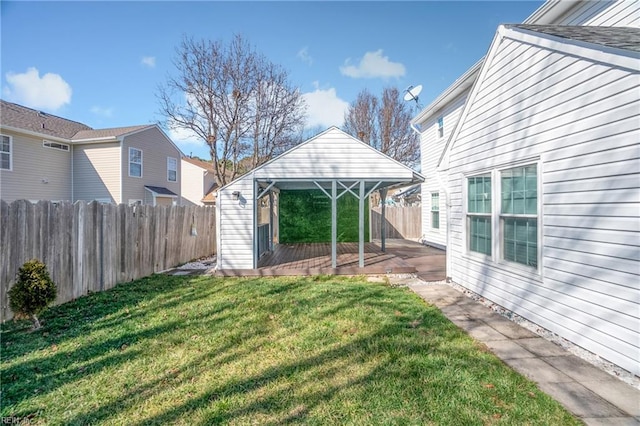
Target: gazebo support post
pixel 383 221
pixel 334 224
pixel 256 255
pixel 270 220
pixel 361 198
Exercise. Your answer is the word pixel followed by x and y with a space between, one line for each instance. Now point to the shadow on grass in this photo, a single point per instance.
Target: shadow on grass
pixel 406 351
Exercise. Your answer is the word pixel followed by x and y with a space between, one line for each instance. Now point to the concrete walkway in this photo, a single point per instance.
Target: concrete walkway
pixel 594 396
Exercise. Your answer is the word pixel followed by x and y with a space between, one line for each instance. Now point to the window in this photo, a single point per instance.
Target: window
pixel 133 202
pixel 135 162
pixel 440 127
pixel 5 153
pixel 479 213
pixel 519 215
pixel 172 169
pixel 55 145
pixel 435 210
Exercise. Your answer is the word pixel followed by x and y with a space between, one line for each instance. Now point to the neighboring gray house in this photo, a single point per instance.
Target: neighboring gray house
pixel 543 177
pixel 437 121
pixel 332 161
pixel 45 157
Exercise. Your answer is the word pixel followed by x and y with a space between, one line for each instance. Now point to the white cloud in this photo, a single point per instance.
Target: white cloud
pixel 324 107
pixel 149 61
pixel 373 65
pixel 303 55
pixel 184 137
pixel 104 112
pixel 47 92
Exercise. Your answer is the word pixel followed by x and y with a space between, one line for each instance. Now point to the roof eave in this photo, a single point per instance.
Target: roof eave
pixel 459 86
pixel 35 134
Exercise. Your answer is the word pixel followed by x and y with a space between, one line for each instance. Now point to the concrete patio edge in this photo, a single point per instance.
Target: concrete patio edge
pixel 592 395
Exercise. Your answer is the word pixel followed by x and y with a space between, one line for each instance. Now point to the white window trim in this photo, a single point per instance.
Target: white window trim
pixel 465 217
pixel 130 162
pixel 432 193
pixel 135 202
pixel 168 169
pixel 496 226
pixel 500 245
pixel 440 126
pixel 10 169
pixel 49 145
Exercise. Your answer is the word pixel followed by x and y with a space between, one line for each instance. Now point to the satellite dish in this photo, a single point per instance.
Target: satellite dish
pixel 411 93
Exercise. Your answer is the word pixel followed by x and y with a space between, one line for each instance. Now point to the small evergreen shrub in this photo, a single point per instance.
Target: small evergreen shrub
pixel 33 291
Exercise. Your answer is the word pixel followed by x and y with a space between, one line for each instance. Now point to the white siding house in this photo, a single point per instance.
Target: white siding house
pixel 544 183
pixel 332 161
pixel 447 107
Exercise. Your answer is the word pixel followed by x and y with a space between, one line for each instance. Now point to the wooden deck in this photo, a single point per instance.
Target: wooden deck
pixel 401 257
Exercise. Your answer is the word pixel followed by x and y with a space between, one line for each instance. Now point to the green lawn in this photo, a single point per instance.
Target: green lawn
pixel 203 350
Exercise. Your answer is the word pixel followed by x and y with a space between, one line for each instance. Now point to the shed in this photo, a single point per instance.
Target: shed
pixel 333 161
pixel 544 183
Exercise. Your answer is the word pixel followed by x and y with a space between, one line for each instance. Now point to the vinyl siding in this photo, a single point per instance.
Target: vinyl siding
pixel 192 183
pixel 431 146
pixel 580 120
pixel 333 154
pixel 235 244
pixel 33 165
pixel 621 13
pixel 96 172
pixel 155 150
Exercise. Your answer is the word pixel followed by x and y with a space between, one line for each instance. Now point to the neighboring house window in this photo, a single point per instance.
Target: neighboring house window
pixel 135 162
pixel 6 159
pixel 435 210
pixel 172 169
pixel 135 202
pixel 519 214
pixel 55 145
pixel 440 127
pixel 479 213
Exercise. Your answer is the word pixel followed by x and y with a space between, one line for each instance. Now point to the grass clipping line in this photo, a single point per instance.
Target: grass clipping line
pixel 207 350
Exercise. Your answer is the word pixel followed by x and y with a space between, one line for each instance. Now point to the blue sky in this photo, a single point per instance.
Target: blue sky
pixel 100 63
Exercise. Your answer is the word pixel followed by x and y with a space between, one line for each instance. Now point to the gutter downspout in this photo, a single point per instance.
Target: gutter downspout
pixel 72 177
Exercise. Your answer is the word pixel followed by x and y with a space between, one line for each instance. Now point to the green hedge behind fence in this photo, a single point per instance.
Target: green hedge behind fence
pixel 305 217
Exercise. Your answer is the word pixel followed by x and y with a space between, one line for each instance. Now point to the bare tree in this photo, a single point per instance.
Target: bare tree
pixel 384 123
pixel 234 99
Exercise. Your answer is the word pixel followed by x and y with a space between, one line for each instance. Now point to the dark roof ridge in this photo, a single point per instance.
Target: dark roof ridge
pixel 40 112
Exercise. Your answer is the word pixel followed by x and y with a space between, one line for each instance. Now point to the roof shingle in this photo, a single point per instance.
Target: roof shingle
pixel 21 117
pixel 105 133
pixel 625 38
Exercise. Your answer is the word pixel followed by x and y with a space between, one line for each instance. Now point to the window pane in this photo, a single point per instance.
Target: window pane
pixel 519 193
pixel 521 241
pixel 5 146
pixel 5 161
pixel 435 220
pixel 435 201
pixel 172 176
pixel 480 234
pixel 135 155
pixel 135 169
pixel 479 194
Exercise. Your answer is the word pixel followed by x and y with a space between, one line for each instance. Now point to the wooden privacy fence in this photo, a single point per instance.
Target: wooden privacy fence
pixel 402 222
pixel 92 247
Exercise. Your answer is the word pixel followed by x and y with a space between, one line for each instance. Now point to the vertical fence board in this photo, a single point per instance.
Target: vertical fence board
pixel 92 247
pixel 401 222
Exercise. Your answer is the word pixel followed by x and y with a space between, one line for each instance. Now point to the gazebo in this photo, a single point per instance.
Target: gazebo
pixel 333 162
